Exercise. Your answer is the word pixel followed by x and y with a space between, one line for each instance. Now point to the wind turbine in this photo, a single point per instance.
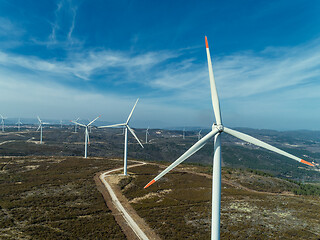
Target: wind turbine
pixel 60 123
pixel 75 125
pixel 86 134
pixel 2 122
pixel 90 129
pixel 183 133
pixel 19 123
pixel 126 126
pixel 199 135
pixel 217 129
pixel 40 127
pixel 147 133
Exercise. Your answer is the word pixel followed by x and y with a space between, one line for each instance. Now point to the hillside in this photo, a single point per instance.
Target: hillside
pixel 56 198
pixel 168 145
pixel 254 205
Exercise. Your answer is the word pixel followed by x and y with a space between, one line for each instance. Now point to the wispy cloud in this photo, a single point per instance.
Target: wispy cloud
pixel 245 74
pixel 63 25
pixel 179 80
pixel 85 64
pixel 74 14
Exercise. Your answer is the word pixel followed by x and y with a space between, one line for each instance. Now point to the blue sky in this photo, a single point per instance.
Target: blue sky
pixel 67 59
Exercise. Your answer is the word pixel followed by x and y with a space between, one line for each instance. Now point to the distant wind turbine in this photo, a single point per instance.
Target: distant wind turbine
pixel 147 133
pixel 86 134
pixel 75 125
pixel 40 127
pixel 199 135
pixel 183 133
pixel 126 126
pixel 90 127
pixel 60 123
pixel 2 122
pixel 18 124
pixel 217 129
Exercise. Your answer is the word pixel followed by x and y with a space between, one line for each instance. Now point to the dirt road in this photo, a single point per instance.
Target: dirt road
pixel 133 226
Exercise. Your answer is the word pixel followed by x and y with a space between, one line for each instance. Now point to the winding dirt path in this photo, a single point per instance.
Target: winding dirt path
pixel 133 226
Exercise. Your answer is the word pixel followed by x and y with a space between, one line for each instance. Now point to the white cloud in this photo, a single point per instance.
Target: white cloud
pixel 249 84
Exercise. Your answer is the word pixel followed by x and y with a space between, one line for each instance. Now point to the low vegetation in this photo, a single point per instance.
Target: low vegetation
pixel 255 205
pixel 54 198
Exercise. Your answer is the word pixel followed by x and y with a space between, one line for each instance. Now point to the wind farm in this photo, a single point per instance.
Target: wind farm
pixel 119 122
pixel 126 128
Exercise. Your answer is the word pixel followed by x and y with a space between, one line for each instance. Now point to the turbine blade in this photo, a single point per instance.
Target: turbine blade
pixel 214 94
pixel 131 130
pixel 113 125
pixel 82 125
pixel 93 120
pixel 88 137
pixel 38 128
pixel 39 119
pixel 196 147
pixel 132 111
pixel 259 143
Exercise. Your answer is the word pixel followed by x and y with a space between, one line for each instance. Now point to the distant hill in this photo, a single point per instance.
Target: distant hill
pixel 168 145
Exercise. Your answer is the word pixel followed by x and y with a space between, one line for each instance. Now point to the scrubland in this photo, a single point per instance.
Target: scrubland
pixel 254 205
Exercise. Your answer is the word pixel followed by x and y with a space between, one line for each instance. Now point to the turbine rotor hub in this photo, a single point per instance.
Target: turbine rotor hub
pixel 219 127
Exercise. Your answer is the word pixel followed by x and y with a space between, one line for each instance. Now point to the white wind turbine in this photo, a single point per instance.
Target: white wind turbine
pixel 86 134
pixel 19 124
pixel 217 129
pixel 126 126
pixel 2 122
pixel 147 133
pixel 40 127
pixel 75 125
pixel 199 135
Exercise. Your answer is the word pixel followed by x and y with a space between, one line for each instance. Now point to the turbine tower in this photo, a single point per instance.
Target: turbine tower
pixel 126 126
pixel 183 133
pixel 217 129
pixel 2 122
pixel 86 134
pixel 40 127
pixel 147 133
pixel 60 123
pixel 19 123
